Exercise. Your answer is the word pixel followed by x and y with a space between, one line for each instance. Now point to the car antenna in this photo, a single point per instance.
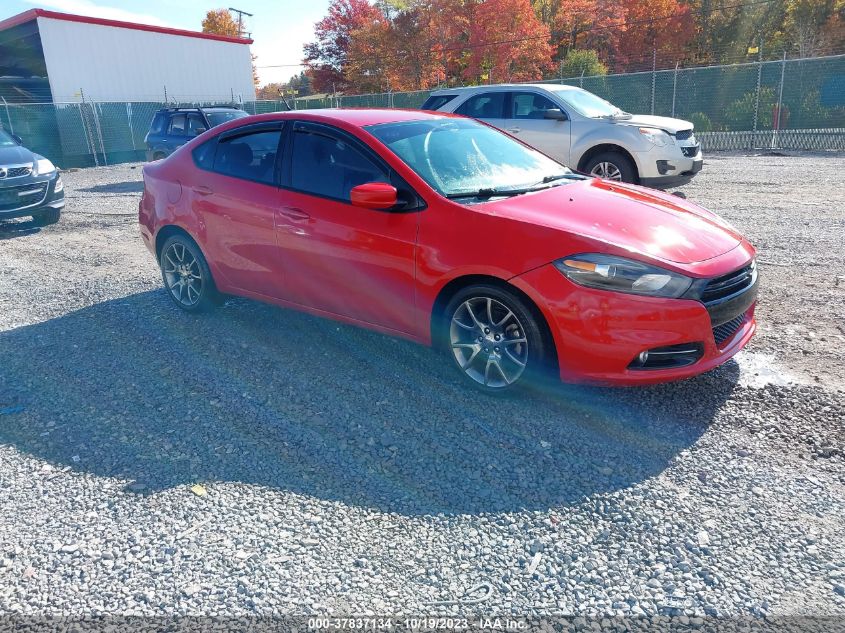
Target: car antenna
pixel 285 101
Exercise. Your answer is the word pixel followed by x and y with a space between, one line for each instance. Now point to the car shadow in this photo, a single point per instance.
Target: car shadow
pixel 136 389
pixel 10 229
pixel 129 186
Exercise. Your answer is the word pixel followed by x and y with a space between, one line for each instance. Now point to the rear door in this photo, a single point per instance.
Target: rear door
pixel 526 120
pixel 236 195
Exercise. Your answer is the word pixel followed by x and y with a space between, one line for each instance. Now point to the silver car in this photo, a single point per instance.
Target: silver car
pixel 583 131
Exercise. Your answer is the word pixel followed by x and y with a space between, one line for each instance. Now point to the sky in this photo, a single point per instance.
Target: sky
pixel 279 27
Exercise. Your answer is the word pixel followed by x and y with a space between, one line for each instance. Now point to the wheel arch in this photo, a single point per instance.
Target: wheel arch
pixel 457 284
pixel 169 230
pixel 595 150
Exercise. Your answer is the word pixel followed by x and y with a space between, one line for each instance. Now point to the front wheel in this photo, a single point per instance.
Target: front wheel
pixel 47 216
pixel 186 275
pixel 612 166
pixel 493 338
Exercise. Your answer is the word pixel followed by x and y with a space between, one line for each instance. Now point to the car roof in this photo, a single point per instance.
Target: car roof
pixel 357 117
pixel 464 89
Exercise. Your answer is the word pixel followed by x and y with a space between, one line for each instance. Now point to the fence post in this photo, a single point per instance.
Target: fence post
pixel 674 88
pixel 776 122
pixel 99 132
pixel 8 116
pixel 89 138
pixel 653 77
pixel 129 120
pixel 581 83
pixel 757 97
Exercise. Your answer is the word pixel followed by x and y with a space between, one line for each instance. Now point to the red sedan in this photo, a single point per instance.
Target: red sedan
pixel 445 231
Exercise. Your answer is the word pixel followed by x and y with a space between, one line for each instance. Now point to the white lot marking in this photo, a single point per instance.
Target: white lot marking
pixel 757 370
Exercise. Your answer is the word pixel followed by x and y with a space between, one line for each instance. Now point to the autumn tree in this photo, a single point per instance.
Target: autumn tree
pixel 586 63
pixel 221 22
pixel 588 24
pixel 326 57
pixel 662 26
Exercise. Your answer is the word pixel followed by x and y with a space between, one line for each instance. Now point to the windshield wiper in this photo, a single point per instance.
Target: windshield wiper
pixel 486 192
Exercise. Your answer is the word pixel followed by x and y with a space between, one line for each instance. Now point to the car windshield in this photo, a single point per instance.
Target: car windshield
pixel 587 104
pixel 462 156
pixel 6 140
pixel 216 117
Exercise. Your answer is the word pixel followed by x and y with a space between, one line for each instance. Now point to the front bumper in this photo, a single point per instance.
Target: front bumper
pixel 598 334
pixel 15 202
pixel 663 167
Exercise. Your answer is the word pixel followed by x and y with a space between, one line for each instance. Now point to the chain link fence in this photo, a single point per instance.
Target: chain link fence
pixel 793 104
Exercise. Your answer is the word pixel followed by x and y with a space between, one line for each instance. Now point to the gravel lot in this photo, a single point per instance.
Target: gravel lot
pixel 338 471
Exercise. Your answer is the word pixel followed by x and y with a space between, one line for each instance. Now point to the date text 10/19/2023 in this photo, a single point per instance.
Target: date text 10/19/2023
pixel 417 624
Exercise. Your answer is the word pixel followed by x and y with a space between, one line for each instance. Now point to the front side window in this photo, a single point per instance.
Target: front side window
pixel 250 156
pixel 530 105
pixel 178 122
pixel 460 156
pixel 217 117
pixel 196 125
pixel 488 105
pixel 157 126
pixel 325 164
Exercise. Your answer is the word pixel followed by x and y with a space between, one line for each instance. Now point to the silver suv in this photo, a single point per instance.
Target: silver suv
pixel 583 131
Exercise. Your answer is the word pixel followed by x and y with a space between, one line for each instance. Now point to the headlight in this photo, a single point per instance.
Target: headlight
pixel 608 272
pixel 60 185
pixel 657 137
pixel 43 167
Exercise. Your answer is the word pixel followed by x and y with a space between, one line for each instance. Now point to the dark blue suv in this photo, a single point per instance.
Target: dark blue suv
pixel 173 127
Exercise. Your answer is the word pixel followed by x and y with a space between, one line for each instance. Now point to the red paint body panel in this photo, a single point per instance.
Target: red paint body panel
pixel 385 270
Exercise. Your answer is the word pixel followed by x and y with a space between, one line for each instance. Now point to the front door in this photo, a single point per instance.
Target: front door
pixel 343 259
pixel 526 120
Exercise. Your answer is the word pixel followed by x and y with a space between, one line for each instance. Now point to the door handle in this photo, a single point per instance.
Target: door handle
pixel 515 130
pixel 203 190
pixel 294 213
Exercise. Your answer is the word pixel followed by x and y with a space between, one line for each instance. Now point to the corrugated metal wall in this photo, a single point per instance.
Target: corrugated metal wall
pixel 107 63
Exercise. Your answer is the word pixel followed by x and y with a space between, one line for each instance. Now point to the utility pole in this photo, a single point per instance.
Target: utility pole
pixel 241 15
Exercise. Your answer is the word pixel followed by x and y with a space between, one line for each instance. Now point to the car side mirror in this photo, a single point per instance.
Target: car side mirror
pixel 556 114
pixel 374 195
pixel 17 139
pixel 199 131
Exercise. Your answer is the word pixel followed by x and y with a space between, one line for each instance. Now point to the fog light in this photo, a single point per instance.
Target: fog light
pixel 60 185
pixel 664 167
pixel 643 357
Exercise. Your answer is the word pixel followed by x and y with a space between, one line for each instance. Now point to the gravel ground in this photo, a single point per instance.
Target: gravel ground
pixel 260 461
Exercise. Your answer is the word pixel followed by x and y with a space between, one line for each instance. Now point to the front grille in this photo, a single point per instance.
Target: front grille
pixel 723 332
pixel 683 135
pixel 728 285
pixel 17 172
pixel 22 196
pixel 690 151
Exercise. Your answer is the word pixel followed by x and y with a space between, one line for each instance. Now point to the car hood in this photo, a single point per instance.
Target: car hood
pixel 652 223
pixel 15 155
pixel 661 122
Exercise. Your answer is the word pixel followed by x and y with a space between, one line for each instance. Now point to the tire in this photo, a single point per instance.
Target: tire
pixel 186 275
pixel 46 217
pixel 619 165
pixel 494 365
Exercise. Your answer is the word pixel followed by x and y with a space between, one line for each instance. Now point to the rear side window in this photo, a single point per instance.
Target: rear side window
pixel 204 154
pixel 488 105
pixel 327 165
pixel 159 121
pixel 250 156
pixel 435 102
pixel 196 125
pixel 178 123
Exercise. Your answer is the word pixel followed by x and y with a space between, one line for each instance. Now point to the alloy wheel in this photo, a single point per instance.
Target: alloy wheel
pixel 488 342
pixel 607 171
pixel 183 274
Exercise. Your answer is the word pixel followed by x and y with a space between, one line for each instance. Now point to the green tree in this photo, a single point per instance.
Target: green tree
pixel 587 62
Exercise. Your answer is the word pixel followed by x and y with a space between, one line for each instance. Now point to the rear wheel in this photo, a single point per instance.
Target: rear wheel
pixel 46 216
pixel 493 338
pixel 158 155
pixel 612 166
pixel 186 275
